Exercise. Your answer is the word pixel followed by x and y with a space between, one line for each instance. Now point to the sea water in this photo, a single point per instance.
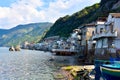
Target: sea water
pixel 24 65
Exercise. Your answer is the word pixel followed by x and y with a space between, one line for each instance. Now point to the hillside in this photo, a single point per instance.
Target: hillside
pixel 3 31
pixel 29 32
pixel 65 25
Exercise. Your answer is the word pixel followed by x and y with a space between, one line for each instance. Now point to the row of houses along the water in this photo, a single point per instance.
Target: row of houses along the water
pixel 101 40
pixel 97 40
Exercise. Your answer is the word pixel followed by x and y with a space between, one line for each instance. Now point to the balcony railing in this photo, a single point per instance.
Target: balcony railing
pixel 104 34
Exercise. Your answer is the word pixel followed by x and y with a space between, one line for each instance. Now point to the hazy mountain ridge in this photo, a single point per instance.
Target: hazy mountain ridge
pixel 28 32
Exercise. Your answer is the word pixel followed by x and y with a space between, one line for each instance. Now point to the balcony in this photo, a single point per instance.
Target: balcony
pixel 104 34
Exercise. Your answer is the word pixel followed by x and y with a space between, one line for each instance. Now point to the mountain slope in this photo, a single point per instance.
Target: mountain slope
pixel 2 31
pixel 29 32
pixel 65 25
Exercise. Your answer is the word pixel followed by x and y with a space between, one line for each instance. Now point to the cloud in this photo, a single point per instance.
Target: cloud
pixel 30 11
pixel 21 12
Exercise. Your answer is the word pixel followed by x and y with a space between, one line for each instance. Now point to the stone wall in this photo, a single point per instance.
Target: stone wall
pixel 104 54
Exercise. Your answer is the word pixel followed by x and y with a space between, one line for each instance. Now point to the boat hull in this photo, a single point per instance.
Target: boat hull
pixel 110 73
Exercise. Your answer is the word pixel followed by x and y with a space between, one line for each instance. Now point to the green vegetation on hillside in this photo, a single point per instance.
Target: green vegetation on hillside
pixel 65 25
pixel 29 32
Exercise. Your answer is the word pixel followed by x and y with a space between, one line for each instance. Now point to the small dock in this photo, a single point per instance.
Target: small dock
pixel 64 52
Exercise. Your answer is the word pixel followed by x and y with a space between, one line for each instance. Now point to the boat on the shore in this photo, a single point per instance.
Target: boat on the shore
pixel 111 71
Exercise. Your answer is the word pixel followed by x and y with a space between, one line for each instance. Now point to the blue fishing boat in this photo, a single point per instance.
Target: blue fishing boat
pixel 111 71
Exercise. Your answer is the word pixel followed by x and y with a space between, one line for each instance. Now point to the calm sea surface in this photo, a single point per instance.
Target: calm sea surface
pixel 24 65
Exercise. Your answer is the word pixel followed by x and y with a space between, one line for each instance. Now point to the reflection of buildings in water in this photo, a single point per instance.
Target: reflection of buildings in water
pixel 67 60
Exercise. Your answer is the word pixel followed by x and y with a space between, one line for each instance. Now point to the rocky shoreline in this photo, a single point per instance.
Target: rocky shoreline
pixel 59 73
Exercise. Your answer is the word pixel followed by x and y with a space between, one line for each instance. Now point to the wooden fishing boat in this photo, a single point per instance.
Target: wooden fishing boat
pixel 111 71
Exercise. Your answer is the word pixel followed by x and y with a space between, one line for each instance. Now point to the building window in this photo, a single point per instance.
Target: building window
pixel 105 43
pixel 106 27
pixel 95 30
pixel 99 44
pixel 101 30
pixel 111 27
pixel 84 33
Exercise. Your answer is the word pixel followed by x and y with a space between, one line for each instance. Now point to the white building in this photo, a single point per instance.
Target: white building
pixel 86 37
pixel 107 36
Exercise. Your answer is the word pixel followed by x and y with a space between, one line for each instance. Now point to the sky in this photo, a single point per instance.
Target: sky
pixel 15 12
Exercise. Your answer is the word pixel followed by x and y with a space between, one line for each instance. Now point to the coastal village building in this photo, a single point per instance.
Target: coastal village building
pixel 107 36
pixel 87 44
pixel 28 45
pixel 50 42
pixel 25 45
pixel 86 31
pixel 86 37
pixel 68 47
pixel 74 39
